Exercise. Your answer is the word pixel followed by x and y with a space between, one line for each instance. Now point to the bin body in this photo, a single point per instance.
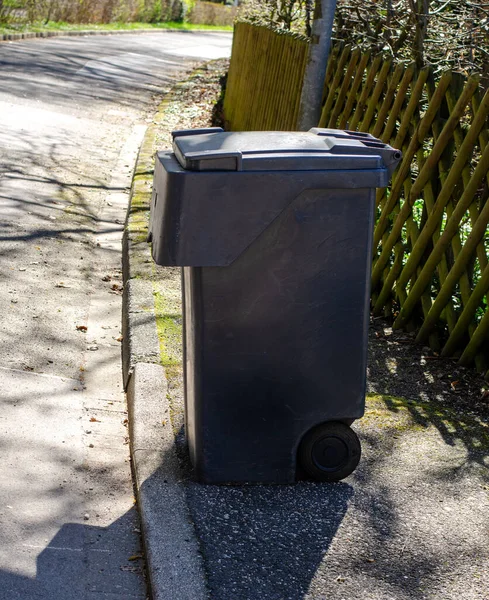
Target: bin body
pixel 276 305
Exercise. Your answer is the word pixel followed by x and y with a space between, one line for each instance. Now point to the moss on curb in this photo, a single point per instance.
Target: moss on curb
pixel 168 312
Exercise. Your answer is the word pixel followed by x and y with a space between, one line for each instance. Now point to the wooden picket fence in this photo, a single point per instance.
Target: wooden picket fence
pixel 431 241
pixel 264 80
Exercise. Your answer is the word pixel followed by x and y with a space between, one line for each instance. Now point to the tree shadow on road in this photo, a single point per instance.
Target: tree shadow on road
pixel 415 390
pixel 72 71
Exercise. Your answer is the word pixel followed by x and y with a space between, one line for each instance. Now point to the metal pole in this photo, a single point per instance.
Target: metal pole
pixel 317 59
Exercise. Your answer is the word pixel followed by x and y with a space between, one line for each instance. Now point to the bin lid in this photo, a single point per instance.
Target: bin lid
pixel 318 149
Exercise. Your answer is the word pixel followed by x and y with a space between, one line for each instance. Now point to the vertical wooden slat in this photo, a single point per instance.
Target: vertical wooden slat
pixel 409 152
pixel 333 87
pixel 352 94
pixel 364 96
pixel 372 102
pixel 338 106
pixel 385 109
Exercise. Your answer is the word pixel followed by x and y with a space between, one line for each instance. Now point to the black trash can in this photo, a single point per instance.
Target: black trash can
pixel 274 231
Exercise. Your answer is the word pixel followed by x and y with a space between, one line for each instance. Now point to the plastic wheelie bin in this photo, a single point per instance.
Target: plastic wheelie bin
pixel 274 234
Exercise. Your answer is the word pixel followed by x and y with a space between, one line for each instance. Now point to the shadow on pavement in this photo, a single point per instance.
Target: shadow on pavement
pixel 455 428
pixel 76 64
pixel 417 389
pixel 82 562
pixel 266 542
pixel 398 366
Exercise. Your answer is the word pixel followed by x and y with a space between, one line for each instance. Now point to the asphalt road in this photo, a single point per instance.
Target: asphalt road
pixel 72 114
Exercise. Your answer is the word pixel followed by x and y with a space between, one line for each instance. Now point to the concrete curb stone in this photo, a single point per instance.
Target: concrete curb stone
pixel 140 338
pixel 174 562
pixel 13 37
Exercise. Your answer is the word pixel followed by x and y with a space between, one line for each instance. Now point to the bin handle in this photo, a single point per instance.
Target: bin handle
pixel 215 155
pixel 185 132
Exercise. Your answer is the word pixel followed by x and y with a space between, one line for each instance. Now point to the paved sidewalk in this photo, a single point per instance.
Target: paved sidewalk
pixel 73 112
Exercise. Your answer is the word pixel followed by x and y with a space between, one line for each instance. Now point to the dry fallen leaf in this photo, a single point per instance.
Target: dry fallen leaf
pixel 81 328
pixel 94 420
pixel 130 568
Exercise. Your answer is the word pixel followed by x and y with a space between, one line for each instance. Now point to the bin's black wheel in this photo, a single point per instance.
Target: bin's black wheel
pixel 330 452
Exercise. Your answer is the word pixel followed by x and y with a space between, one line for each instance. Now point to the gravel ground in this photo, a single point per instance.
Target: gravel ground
pixel 410 523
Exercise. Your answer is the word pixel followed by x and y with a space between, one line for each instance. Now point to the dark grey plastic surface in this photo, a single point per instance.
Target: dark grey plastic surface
pixel 318 149
pixel 208 218
pixel 276 294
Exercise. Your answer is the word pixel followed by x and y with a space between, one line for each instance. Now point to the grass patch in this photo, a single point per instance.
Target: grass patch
pixel 62 26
